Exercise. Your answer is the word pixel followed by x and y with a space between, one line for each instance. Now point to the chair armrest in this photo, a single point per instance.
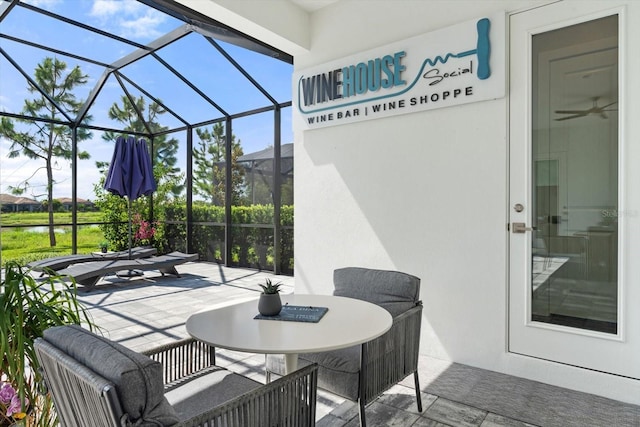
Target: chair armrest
pixel 182 358
pixel 391 357
pixel 289 400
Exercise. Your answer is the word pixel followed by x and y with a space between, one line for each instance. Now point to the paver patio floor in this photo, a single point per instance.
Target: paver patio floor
pixel 145 312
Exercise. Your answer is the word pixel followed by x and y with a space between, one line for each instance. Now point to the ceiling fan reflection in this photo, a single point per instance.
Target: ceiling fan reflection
pixel 595 109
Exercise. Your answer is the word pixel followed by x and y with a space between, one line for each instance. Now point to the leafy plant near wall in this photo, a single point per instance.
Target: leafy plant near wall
pixel 27 308
pixel 115 226
pixel 114 217
pixel 208 237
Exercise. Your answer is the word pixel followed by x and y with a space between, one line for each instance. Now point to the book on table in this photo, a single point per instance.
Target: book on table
pixel 297 313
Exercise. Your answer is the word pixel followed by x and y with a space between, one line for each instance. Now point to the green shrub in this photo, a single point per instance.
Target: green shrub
pixel 27 308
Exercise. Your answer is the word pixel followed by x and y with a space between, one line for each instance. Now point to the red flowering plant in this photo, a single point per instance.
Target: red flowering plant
pixel 145 230
pixel 12 408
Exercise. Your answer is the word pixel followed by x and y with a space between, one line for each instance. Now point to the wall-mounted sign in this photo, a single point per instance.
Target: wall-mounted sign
pixel 455 65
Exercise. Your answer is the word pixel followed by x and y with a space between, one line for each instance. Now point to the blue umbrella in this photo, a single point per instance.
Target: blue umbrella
pixel 115 177
pixel 148 184
pixel 130 173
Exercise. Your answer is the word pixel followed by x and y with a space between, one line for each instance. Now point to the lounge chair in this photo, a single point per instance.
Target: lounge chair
pixel 64 261
pixel 88 273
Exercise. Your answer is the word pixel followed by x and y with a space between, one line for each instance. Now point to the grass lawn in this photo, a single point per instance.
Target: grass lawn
pixel 42 218
pixel 24 245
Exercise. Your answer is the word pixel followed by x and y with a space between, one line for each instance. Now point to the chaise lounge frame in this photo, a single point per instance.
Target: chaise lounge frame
pixel 64 261
pixel 89 273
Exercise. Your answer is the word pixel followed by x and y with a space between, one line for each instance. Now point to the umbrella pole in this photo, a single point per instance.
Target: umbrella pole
pixel 129 273
pixel 130 227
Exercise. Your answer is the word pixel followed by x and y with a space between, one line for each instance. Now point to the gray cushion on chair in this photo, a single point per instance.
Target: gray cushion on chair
pixel 338 370
pixel 395 291
pixel 195 395
pixel 137 378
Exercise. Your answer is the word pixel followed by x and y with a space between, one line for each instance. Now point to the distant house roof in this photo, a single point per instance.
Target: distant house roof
pixel 286 151
pixel 260 162
pixel 68 201
pixel 8 199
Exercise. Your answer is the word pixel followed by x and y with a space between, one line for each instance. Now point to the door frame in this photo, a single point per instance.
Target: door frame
pixel 522 310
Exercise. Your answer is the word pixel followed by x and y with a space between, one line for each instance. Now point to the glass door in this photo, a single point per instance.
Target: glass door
pixel 565 291
pixel 574 185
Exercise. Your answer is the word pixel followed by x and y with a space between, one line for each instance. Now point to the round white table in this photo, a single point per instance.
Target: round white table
pixel 347 322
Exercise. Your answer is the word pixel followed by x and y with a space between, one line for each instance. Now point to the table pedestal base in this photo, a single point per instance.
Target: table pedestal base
pixel 290 362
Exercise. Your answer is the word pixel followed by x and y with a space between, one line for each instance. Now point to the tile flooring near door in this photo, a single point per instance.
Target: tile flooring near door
pixel 145 312
pixel 395 408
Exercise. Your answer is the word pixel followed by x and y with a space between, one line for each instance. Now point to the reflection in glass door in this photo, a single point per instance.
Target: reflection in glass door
pixel 575 176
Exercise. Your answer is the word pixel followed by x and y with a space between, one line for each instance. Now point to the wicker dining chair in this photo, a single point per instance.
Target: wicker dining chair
pixel 96 382
pixel 362 373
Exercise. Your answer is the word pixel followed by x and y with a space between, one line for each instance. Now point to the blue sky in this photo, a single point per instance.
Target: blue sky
pixel 191 56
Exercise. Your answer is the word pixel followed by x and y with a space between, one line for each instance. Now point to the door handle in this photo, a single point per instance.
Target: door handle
pixel 520 227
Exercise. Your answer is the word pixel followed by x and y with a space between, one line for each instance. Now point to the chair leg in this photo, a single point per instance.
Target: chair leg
pixel 362 378
pixel 417 384
pixel 363 420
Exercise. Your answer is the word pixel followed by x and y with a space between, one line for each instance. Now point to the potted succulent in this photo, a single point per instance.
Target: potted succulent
pixel 104 245
pixel 269 303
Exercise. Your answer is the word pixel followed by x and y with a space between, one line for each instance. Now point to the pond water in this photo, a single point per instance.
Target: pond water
pixel 44 229
pixel 59 230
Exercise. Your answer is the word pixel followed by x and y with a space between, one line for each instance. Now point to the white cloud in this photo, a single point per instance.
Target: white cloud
pixel 44 4
pixel 129 18
pixel 4 102
pixel 143 27
pixel 105 8
pixel 108 8
pixel 16 171
pixel 13 172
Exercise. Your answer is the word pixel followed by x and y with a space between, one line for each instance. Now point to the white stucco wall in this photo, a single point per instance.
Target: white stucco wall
pixel 425 193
